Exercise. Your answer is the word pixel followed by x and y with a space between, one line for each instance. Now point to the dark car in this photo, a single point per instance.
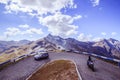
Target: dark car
pixel 41 55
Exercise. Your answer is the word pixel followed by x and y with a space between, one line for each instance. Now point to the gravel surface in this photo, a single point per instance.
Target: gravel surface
pixel 22 69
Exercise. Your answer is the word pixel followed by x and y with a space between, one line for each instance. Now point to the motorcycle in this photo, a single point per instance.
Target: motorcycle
pixel 91 65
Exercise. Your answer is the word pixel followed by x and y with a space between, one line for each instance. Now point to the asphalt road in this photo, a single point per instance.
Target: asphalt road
pixel 22 69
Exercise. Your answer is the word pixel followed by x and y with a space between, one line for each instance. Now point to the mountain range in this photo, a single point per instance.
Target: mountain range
pixel 7 45
pixel 105 47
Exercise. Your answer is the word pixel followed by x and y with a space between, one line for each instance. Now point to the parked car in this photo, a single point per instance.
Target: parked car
pixel 41 55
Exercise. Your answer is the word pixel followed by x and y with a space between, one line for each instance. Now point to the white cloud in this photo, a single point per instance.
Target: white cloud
pixel 24 26
pixel 13 31
pixel 4 1
pixel 31 36
pixel 33 31
pixel 113 33
pixel 95 2
pixel 56 22
pixel 83 37
pixel 97 39
pixel 37 7
pixel 104 33
pixel 2 38
pixel 60 24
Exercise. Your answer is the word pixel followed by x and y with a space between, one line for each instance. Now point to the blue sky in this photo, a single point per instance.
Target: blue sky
pixel 85 20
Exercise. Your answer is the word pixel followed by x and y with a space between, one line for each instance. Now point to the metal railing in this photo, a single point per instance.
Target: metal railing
pixel 103 57
pixel 14 59
pixel 3 63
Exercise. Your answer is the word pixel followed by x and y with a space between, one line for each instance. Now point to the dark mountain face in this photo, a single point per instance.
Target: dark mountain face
pixel 6 45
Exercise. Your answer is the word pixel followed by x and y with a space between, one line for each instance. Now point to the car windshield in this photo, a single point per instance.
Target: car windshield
pixel 39 54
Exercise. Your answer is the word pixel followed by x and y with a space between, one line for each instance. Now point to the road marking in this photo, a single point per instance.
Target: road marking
pixel 39 66
pixel 80 78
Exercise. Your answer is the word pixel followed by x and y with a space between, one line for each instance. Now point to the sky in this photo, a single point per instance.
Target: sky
pixel 84 20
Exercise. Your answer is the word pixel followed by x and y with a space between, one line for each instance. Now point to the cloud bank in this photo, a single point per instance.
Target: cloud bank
pixel 16 31
pixel 48 13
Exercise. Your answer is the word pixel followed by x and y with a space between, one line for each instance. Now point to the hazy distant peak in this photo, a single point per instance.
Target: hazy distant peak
pixel 112 40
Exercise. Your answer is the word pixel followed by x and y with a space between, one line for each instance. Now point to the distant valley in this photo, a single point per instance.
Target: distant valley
pixel 6 45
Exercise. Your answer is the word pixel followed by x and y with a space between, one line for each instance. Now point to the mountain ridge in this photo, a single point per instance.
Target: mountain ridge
pixel 6 45
pixel 106 47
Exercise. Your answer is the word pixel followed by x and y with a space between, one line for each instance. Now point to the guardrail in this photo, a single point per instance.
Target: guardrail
pixel 18 58
pixel 103 57
pixel 3 63
pixel 14 59
pixel 99 56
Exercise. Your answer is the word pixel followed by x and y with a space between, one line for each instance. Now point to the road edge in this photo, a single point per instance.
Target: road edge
pixel 79 75
pixel 35 71
pixel 80 78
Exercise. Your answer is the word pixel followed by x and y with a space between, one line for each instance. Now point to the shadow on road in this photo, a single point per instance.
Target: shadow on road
pixel 47 60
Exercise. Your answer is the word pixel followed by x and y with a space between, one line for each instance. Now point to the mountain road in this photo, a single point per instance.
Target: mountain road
pixel 24 68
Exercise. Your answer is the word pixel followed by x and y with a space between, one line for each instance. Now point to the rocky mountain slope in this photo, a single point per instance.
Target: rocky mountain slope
pixel 7 45
pixel 106 47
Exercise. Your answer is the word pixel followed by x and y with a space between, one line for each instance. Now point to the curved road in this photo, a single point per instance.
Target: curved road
pixel 22 69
